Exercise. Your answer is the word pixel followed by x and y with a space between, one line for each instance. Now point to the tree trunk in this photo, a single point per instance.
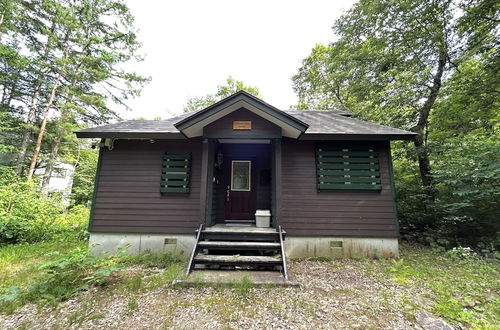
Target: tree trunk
pixel 27 133
pixel 422 153
pixel 43 126
pixel 32 111
pixel 50 166
pixel 1 22
pixel 45 115
pixel 9 89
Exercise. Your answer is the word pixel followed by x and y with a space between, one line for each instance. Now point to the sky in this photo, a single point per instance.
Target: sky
pixel 191 47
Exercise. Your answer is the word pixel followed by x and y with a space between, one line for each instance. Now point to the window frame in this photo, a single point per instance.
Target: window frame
pixel 249 174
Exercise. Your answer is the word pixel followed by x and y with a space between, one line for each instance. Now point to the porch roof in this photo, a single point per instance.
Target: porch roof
pixel 311 124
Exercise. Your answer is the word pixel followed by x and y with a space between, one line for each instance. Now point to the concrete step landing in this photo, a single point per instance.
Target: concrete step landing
pixel 234 278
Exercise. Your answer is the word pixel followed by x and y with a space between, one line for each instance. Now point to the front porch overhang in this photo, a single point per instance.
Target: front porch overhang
pixel 207 176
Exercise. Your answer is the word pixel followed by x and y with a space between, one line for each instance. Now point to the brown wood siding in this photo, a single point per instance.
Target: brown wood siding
pixel 307 211
pixel 128 197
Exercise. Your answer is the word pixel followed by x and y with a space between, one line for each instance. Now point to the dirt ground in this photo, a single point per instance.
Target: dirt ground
pixel 332 295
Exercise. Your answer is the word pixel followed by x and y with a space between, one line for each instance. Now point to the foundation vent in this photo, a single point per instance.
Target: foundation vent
pixel 169 241
pixel 336 244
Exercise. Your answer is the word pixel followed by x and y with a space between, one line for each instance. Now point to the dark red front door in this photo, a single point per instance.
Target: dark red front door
pixel 240 190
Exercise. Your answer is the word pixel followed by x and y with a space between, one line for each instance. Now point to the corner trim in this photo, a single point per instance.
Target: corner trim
pixel 94 194
pixel 393 187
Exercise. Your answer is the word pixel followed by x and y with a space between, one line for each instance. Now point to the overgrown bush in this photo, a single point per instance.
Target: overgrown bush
pixel 467 177
pixel 66 273
pixel 63 277
pixel 27 216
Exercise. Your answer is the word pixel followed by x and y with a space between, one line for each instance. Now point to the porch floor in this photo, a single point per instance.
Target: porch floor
pixel 228 278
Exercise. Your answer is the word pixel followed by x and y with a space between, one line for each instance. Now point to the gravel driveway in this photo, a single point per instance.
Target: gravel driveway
pixel 338 294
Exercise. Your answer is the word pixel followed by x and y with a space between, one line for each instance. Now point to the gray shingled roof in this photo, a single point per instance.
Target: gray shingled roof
pixel 334 122
pixel 138 126
pixel 321 122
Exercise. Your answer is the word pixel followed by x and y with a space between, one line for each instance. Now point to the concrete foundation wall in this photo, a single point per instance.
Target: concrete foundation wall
pixel 295 246
pixel 341 247
pixel 110 243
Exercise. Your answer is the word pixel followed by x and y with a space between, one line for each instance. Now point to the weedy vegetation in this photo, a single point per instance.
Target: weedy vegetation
pixel 464 287
pixel 32 274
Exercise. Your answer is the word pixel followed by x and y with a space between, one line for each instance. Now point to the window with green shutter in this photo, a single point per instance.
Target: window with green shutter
pixel 347 168
pixel 176 170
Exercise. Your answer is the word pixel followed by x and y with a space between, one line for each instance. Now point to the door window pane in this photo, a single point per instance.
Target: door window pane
pixel 240 175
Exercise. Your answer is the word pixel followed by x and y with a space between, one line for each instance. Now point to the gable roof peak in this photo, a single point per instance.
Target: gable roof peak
pixel 193 124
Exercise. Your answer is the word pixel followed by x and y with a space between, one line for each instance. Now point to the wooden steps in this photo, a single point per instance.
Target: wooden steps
pixel 239 246
pixel 228 245
pixel 236 260
pixel 240 233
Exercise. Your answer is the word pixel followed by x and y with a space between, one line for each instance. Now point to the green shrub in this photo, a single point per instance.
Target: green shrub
pixel 72 224
pixel 467 176
pixel 461 252
pixel 27 216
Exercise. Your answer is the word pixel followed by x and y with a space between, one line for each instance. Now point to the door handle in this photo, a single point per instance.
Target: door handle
pixel 227 194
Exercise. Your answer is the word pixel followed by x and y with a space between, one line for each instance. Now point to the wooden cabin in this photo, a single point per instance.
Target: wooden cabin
pixel 325 178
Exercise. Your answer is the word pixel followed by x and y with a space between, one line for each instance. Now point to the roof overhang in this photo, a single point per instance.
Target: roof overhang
pixel 353 137
pixel 128 135
pixel 193 125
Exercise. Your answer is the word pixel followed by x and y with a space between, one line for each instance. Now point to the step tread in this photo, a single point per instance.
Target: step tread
pixel 271 245
pixel 239 221
pixel 240 230
pixel 237 259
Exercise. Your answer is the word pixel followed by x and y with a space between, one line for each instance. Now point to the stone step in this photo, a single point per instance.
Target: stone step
pixel 236 260
pixel 228 245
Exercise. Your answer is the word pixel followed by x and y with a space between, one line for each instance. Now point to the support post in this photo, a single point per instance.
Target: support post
pixel 276 182
pixel 204 180
pixel 210 182
pixel 207 184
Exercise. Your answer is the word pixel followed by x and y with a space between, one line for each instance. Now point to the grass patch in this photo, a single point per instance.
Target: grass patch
pixel 359 257
pixel 132 305
pixel 86 312
pixel 230 307
pixel 463 290
pixel 152 260
pixel 243 285
pixel 19 263
pixel 132 284
pixel 320 259
pixel 50 272
pixel 61 278
pixel 169 274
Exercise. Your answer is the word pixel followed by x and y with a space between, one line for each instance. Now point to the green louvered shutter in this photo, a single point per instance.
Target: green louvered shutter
pixel 347 168
pixel 176 170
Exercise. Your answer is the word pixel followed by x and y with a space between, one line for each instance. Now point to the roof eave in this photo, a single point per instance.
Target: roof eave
pixel 343 136
pixel 130 135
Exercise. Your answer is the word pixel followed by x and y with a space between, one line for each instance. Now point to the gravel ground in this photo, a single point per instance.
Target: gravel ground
pixel 339 294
